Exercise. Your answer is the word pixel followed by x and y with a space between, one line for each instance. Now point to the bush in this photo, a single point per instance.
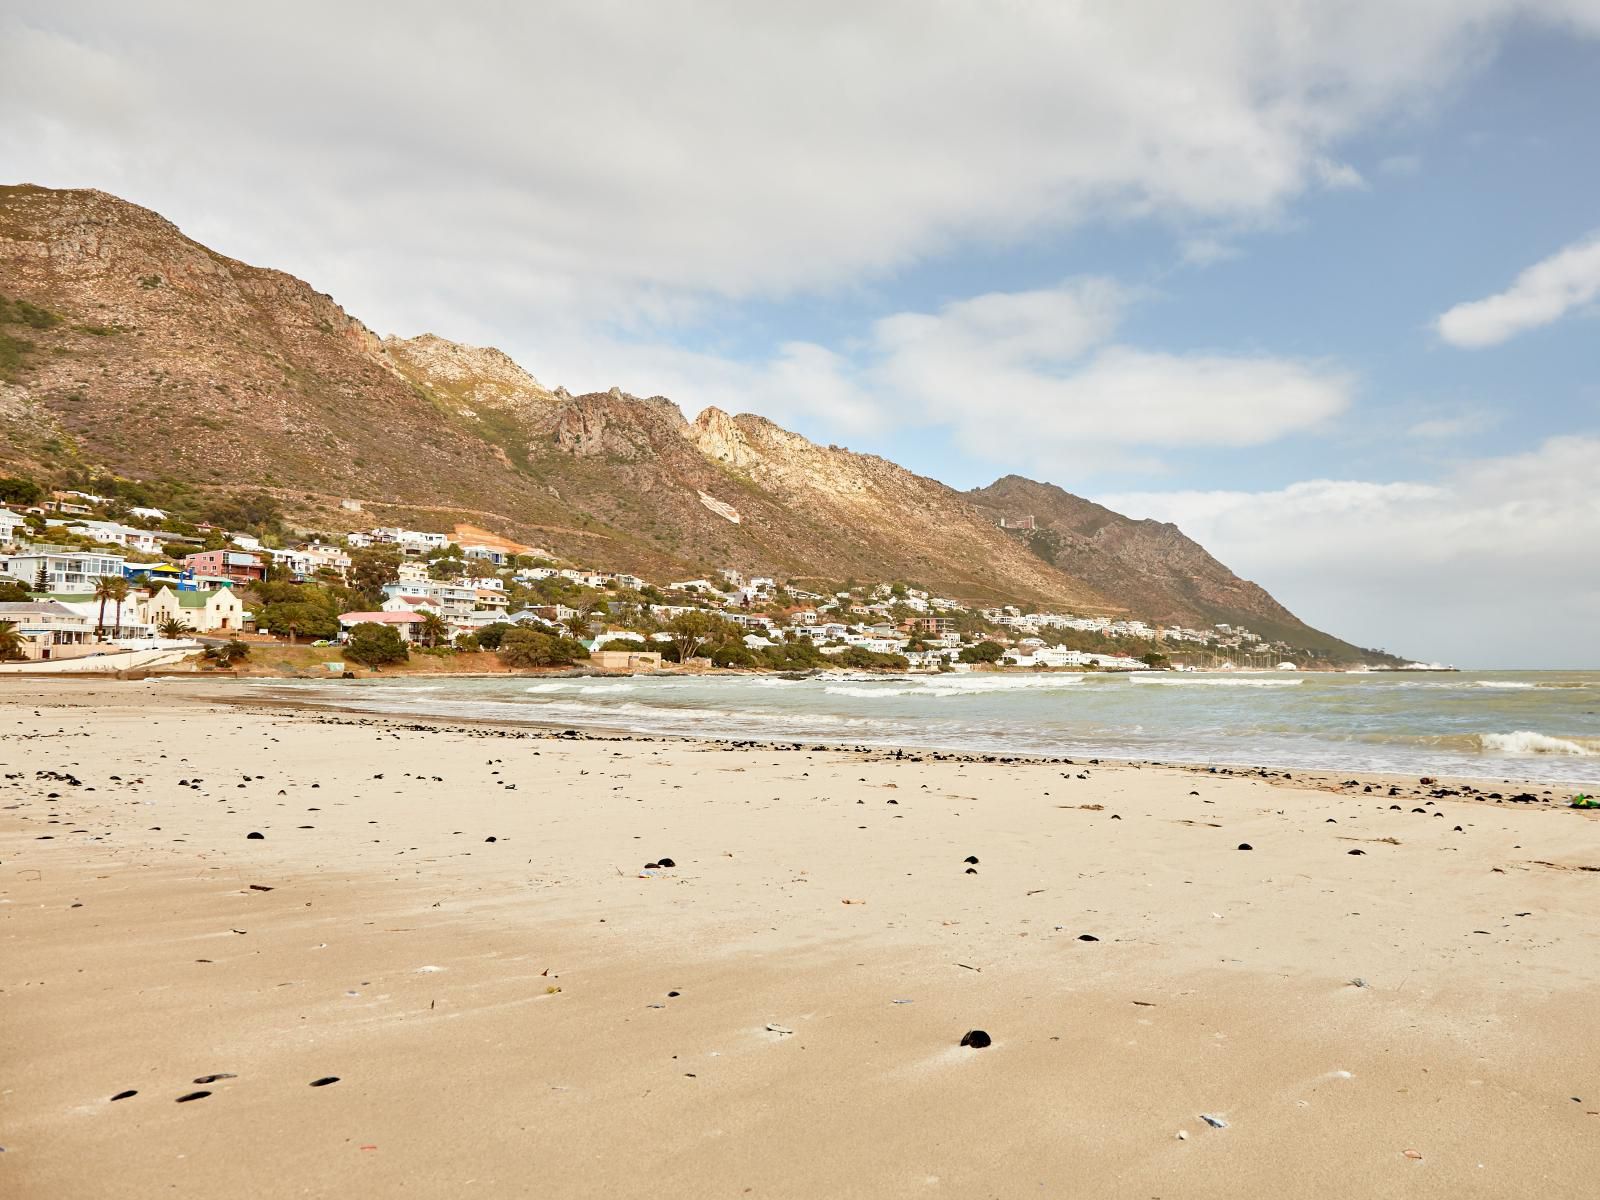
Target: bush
pixel 467 642
pixel 792 656
pixel 490 636
pixel 983 652
pixel 732 654
pixel 228 655
pixel 375 645
pixel 530 648
pixel 861 659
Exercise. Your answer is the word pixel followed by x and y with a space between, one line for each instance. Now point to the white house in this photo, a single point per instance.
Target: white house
pixel 116 534
pixel 65 570
pixel 49 630
pixel 132 621
pixel 218 611
pixel 10 522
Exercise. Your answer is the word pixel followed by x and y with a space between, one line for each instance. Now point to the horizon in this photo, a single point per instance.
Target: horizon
pixel 1329 316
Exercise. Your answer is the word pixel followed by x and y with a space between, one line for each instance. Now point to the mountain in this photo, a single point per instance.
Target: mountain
pixel 126 347
pixel 1148 567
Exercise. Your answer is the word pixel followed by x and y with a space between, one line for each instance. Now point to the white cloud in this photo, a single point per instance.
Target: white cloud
pixel 1203 251
pixel 1034 377
pixel 1400 164
pixel 1022 378
pixel 1494 566
pixel 569 159
pixel 1338 174
pixel 1542 294
pixel 1457 425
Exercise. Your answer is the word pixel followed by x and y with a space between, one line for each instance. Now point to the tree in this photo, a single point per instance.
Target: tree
pixel 298 617
pixel 373 570
pixel 41 580
pixel 732 654
pixel 375 645
pixel 174 628
pixel 490 636
pixel 692 630
pixel 530 648
pixel 433 629
pixel 1158 661
pixel 10 641
pixel 16 489
pixel 119 595
pixel 103 594
pixel 983 652
pixel 14 592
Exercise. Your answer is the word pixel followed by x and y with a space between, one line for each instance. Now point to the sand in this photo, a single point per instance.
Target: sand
pixel 500 1019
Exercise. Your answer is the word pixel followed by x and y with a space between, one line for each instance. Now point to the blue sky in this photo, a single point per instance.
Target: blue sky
pixel 1195 264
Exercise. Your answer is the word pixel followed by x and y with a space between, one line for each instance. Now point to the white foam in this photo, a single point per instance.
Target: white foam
pixel 867 691
pixel 1527 741
pixel 1178 681
pixel 970 685
pixel 1507 684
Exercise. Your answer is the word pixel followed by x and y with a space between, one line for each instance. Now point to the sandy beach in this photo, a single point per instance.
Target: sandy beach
pixel 1368 995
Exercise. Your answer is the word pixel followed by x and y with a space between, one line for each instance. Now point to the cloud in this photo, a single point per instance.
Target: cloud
pixel 1458 425
pixel 1541 295
pixel 570 159
pixel 1030 378
pixel 1337 174
pixel 1490 567
pixel 1400 164
pixel 1203 251
pixel 1022 378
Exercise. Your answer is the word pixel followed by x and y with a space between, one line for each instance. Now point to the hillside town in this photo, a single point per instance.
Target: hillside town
pixel 83 575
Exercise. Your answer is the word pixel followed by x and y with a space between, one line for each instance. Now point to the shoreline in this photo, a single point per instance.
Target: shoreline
pixel 1489 788
pixel 1488 781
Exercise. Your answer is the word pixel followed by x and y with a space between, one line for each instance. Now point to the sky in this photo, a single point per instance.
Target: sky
pixel 1319 282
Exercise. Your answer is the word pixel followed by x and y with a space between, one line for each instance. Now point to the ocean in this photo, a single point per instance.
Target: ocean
pixel 1518 726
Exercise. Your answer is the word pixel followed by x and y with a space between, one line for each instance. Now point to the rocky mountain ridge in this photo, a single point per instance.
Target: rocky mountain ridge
pixel 173 361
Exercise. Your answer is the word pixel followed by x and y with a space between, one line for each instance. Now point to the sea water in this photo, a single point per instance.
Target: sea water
pixel 1513 725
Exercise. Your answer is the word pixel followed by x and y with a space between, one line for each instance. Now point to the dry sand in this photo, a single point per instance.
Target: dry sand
pixel 499 1013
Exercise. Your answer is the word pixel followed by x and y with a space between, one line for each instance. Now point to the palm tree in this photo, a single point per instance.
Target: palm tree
pixel 119 593
pixel 10 641
pixel 174 628
pixel 433 628
pixel 103 588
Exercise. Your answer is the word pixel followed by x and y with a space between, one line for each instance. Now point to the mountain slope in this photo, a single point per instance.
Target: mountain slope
pixel 1147 566
pixel 171 361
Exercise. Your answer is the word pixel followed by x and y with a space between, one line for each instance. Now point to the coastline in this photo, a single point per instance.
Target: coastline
pixel 498 1011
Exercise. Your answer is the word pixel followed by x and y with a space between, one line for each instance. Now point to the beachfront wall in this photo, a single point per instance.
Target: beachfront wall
pixel 98 662
pixel 626 660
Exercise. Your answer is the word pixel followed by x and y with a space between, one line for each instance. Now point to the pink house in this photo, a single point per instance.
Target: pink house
pixel 238 565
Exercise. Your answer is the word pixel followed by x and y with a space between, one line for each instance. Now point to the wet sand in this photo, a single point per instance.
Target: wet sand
pixel 498 1017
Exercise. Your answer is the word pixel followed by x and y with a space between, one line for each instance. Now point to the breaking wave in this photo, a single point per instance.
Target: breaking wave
pixel 943 687
pixel 1527 741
